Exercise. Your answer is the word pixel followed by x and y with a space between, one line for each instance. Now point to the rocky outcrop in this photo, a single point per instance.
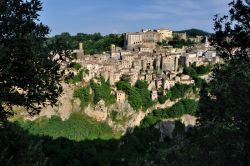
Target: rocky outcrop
pixel 188 121
pixel 125 116
pixel 167 126
pixel 65 106
pixel 167 104
pixel 99 112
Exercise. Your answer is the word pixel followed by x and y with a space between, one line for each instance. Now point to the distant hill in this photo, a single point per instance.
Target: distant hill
pixel 195 32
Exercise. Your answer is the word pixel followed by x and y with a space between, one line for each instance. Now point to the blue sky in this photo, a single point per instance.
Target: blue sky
pixel 118 16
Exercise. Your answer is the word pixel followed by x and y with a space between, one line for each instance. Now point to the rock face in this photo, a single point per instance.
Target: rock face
pixel 66 104
pixel 120 116
pixel 188 121
pixel 167 126
pixel 124 116
pixel 99 112
pixel 65 107
pixel 167 104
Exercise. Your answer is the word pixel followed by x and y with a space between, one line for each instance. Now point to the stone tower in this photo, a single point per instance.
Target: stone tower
pixel 176 64
pixel 112 48
pixel 81 51
pixel 206 42
pixel 158 62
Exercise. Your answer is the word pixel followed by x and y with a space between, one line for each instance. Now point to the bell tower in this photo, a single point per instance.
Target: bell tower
pixel 81 51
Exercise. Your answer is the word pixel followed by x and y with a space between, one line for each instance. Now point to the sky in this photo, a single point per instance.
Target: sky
pixel 120 16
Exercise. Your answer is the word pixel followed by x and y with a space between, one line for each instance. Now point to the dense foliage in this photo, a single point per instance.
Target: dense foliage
pixel 19 147
pixel 185 106
pixel 93 43
pixel 222 136
pixel 83 94
pixel 195 71
pixel 195 32
pixel 178 91
pixel 25 64
pixel 102 91
pixel 138 96
pixel 76 66
pixel 145 94
pixel 179 43
pixel 78 127
pixel 73 79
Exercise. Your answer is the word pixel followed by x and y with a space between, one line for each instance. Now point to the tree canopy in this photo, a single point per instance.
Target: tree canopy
pixel 222 134
pixel 195 32
pixel 93 43
pixel 29 77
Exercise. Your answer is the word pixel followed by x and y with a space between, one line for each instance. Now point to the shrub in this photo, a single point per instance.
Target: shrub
pixel 102 92
pixel 138 96
pixel 179 91
pixel 76 78
pixel 76 66
pixel 77 127
pixel 84 96
pixel 185 106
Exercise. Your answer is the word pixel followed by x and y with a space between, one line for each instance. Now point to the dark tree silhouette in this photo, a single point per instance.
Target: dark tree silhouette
pixel 29 77
pixel 232 37
pixel 221 136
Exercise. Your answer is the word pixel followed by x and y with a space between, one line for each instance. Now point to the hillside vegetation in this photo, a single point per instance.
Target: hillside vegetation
pixel 195 32
pixel 93 43
pixel 78 127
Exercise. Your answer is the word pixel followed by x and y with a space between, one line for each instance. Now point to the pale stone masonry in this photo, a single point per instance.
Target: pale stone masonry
pixel 142 60
pixel 142 39
pixel 165 34
pixel 180 35
pixel 120 96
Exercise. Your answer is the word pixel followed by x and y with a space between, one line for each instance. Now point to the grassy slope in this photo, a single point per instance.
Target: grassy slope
pixel 78 127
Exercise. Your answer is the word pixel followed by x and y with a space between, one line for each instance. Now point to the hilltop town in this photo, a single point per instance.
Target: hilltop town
pixel 142 58
pixel 154 97
pixel 123 85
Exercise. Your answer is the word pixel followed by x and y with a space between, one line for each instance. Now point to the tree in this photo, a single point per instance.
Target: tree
pixel 29 77
pixel 221 136
pixel 224 105
pixel 62 46
pixel 227 93
pixel 232 37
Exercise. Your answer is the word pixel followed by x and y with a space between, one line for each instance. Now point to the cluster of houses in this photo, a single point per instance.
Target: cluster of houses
pixel 142 59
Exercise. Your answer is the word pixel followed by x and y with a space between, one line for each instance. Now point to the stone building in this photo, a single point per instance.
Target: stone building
pixel 133 39
pixel 158 62
pixel 170 63
pixel 80 52
pixel 165 34
pixel 149 77
pixel 146 49
pixel 115 52
pixel 141 39
pixel 154 95
pixel 158 83
pixel 196 39
pixel 120 96
pixel 180 35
